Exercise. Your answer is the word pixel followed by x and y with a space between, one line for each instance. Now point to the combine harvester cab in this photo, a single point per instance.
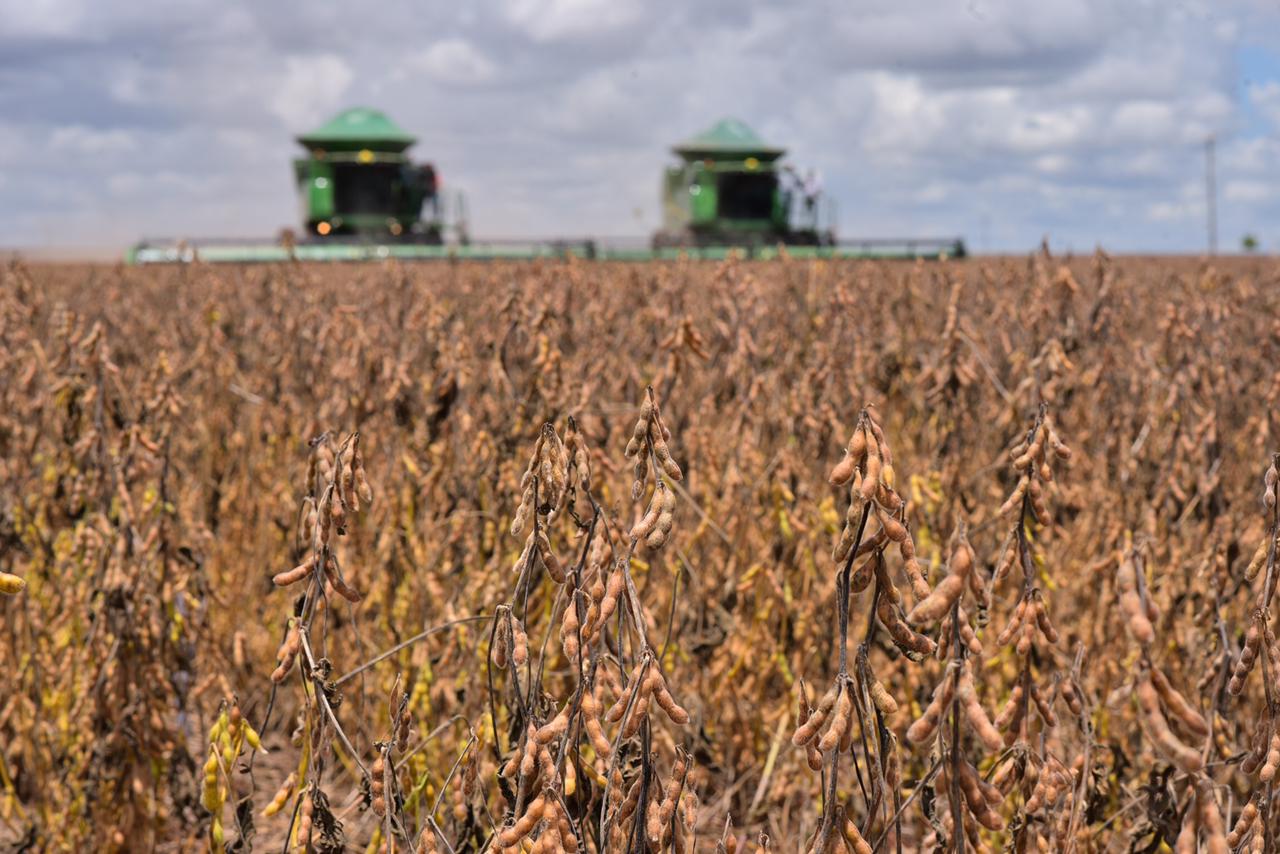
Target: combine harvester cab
pixel 730 189
pixel 357 182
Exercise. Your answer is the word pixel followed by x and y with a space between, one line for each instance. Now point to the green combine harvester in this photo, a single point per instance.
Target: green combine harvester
pixel 729 189
pixel 356 181
pixel 363 199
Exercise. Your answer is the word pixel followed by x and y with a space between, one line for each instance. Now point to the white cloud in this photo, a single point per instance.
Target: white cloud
pixel 1147 120
pixel 1173 211
pixel 151 184
pixel 1052 164
pixel 1248 191
pixel 456 61
pixel 41 18
pixel 556 20
pixel 1186 204
pixel 88 142
pixel 310 88
pixel 1265 98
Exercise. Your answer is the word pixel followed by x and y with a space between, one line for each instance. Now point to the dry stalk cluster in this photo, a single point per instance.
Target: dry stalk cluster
pixel 554 637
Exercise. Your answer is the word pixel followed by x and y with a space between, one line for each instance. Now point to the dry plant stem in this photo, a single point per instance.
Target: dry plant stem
pixel 495 744
pixel 435 806
pixel 702 514
pixel 1269 667
pixel 1268 587
pixel 1086 728
pixel 646 780
pixel 875 765
pixel 633 694
pixel 325 570
pixel 877 768
pixel 427 739
pixel 842 677
pixel 1026 565
pixel 580 686
pixel 525 583
pixel 842 593
pixel 389 813
pixel 954 795
pixel 1028 587
pixel 405 644
pixel 318 689
pixel 646 657
pixel 897 816
pixel 507 612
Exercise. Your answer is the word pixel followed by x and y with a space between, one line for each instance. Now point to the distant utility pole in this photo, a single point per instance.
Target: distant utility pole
pixel 1211 194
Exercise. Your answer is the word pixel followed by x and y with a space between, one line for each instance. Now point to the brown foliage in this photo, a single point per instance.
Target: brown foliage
pixel 173 532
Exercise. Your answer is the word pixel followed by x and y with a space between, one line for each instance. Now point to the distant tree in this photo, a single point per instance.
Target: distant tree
pixel 1249 243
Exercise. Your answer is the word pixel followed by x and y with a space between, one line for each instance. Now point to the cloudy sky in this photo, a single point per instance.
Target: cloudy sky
pixel 1000 120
